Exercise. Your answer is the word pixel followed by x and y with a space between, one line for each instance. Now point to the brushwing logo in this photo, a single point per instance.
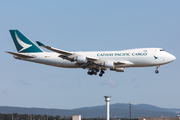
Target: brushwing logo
pixel 155 57
pixel 23 45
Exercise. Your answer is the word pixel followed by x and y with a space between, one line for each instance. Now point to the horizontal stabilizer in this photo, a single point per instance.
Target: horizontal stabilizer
pixel 20 55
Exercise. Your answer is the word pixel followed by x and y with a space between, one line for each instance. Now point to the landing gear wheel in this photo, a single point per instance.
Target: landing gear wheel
pixel 102 72
pixel 97 70
pixel 157 71
pixel 100 75
pixel 93 71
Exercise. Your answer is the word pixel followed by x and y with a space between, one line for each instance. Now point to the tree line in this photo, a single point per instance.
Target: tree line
pixel 16 116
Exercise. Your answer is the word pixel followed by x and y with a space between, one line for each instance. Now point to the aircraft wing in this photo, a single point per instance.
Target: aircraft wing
pixel 20 55
pixel 84 61
pixel 65 54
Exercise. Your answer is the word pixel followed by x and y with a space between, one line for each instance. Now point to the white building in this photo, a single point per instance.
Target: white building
pixel 76 117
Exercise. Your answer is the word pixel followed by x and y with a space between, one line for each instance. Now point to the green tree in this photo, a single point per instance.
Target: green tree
pixel 8 116
pixel 58 117
pixel 24 117
pixel 15 116
pixel 51 118
pixel 39 117
pixel 1 117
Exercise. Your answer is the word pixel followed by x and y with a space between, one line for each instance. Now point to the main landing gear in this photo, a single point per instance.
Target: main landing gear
pixel 157 71
pixel 101 73
pixel 95 71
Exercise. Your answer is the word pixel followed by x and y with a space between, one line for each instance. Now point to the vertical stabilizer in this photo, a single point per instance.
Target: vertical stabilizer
pixel 22 43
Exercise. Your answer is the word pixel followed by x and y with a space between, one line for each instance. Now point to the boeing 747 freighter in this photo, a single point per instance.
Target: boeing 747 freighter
pixel 96 61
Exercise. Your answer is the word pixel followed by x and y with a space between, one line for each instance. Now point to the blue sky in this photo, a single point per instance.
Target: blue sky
pixel 89 26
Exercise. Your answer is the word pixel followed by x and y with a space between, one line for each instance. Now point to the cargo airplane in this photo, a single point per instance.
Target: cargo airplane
pixel 96 61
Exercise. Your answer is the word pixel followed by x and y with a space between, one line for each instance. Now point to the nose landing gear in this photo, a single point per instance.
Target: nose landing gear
pixel 157 71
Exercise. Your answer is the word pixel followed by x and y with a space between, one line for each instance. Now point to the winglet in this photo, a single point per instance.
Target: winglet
pixel 39 43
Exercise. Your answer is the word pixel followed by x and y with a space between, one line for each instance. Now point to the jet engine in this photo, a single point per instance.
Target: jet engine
pixel 109 64
pixel 81 59
pixel 118 69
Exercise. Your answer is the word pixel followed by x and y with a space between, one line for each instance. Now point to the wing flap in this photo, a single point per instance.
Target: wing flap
pixel 92 59
pixel 86 65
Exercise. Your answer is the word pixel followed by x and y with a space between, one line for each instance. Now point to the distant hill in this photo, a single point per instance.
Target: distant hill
pixel 118 110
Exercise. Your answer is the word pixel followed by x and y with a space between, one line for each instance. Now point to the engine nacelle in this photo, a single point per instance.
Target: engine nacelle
pixel 81 59
pixel 118 69
pixel 109 64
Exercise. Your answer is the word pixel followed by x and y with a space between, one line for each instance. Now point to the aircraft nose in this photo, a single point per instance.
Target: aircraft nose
pixel 170 58
pixel 173 57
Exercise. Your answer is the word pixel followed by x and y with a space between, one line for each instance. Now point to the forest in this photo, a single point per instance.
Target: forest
pixel 16 116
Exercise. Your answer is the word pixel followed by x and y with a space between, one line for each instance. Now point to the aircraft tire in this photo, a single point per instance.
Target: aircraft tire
pixel 100 75
pixel 102 72
pixel 156 71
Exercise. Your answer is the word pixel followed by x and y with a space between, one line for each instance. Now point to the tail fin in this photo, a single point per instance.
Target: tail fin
pixel 22 43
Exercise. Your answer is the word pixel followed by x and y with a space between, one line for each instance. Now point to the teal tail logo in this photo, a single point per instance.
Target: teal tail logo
pixel 22 43
pixel 155 57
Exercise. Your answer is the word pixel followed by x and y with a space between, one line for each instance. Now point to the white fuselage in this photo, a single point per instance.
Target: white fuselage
pixel 142 57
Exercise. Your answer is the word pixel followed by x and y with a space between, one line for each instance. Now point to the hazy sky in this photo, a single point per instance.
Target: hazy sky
pixel 94 25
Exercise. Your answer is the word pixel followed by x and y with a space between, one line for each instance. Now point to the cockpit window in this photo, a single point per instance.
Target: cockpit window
pixel 162 50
